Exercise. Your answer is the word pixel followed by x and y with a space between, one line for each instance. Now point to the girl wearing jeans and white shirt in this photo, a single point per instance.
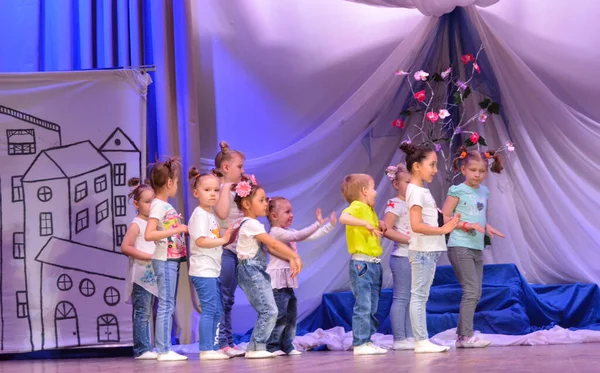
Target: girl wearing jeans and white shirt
pixel 427 241
pixel 206 248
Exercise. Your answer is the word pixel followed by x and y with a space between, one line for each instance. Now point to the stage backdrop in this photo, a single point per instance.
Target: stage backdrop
pixel 68 144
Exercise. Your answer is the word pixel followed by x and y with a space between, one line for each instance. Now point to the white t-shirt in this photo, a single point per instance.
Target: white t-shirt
pixel 418 196
pixel 247 245
pixel 140 271
pixel 204 262
pixel 170 248
pixel 398 207
pixel 235 215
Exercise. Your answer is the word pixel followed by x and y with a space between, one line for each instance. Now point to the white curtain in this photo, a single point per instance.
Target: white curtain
pixel 298 86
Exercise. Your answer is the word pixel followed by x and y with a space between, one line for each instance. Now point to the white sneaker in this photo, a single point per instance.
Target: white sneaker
pixel 232 352
pixel 259 355
pixel 278 353
pixel 148 355
pixel 294 353
pixel 424 347
pixel 213 355
pixel 171 356
pixel 368 349
pixel 404 345
pixel 471 342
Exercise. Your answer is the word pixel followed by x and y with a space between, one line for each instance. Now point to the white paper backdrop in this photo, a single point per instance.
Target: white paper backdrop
pixel 69 143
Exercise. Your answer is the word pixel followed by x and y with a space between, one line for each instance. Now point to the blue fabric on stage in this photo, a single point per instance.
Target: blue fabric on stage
pixel 508 305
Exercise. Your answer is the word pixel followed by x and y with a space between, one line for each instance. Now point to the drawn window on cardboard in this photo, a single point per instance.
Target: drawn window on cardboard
pixel 17 188
pixel 101 211
pixel 19 245
pixel 46 228
pixel 120 205
pixel 81 191
pixel 64 282
pixel 100 184
pixel 87 287
pixel 44 194
pixel 21 142
pixel 22 311
pixel 119 173
pixel 111 296
pixel 82 220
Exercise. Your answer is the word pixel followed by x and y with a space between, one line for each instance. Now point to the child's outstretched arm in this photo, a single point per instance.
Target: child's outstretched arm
pixel 153 234
pixel 221 209
pixel 448 210
pixel 390 219
pixel 418 226
pixel 348 219
pixel 210 243
pixel 281 250
pixel 128 241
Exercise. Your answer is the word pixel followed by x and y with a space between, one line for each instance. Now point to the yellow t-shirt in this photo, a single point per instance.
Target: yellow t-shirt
pixel 359 239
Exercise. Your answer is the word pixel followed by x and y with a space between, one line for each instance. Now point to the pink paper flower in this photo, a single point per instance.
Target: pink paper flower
pixel 510 147
pixel 444 113
pixel 401 72
pixel 477 68
pixel 433 117
pixel 438 147
pixel 445 74
pixel 420 96
pixel 460 84
pixel 467 58
pixel 421 75
pixel 398 123
pixel 243 189
pixel 474 137
pixel 390 172
pixel 252 179
pixel 483 116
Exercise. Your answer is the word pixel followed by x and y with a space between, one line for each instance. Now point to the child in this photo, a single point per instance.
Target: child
pixel 205 261
pixel 427 241
pixel 229 167
pixel 141 281
pixel 396 216
pixel 280 216
pixel 466 243
pixel 362 237
pixel 251 269
pixel 165 228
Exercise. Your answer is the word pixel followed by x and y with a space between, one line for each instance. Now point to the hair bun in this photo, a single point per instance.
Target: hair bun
pixel 193 173
pixel 408 148
pixel 224 147
pixel 133 182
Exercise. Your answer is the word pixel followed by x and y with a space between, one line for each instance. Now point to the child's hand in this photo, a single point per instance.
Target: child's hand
pixel 493 232
pixel 373 230
pixel 382 226
pixel 295 265
pixel 451 224
pixel 320 217
pixel 333 219
pixel 227 234
pixel 181 228
pixel 476 227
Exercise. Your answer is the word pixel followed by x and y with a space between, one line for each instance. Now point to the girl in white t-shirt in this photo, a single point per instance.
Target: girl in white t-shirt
pixel 280 216
pixel 396 216
pixel 206 248
pixel 427 239
pixel 252 277
pixel 229 168
pixel 141 281
pixel 167 231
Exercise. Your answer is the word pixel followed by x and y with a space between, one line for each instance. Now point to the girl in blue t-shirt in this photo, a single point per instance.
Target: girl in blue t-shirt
pixel 466 243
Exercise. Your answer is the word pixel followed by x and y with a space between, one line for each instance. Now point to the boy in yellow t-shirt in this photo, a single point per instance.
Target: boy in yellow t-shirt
pixel 363 230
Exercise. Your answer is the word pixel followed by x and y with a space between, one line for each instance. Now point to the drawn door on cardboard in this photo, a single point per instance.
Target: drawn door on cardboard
pixel 66 325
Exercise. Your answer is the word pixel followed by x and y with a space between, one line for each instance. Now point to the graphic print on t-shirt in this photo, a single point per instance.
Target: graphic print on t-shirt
pixel 175 244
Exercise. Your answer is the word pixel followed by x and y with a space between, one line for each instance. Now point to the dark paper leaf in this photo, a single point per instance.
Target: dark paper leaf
pixel 467 93
pixel 494 108
pixel 437 78
pixel 468 142
pixel 481 141
pixel 485 103
pixel 457 98
pixel 405 113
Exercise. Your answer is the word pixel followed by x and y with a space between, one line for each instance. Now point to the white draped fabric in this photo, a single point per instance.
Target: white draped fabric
pixel 298 85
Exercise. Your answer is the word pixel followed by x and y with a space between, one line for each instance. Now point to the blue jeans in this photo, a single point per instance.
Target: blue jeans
pixel 365 281
pixel 142 310
pixel 285 328
pixel 229 283
pixel 209 294
pixel 399 313
pixel 423 269
pixel 256 283
pixel 167 274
